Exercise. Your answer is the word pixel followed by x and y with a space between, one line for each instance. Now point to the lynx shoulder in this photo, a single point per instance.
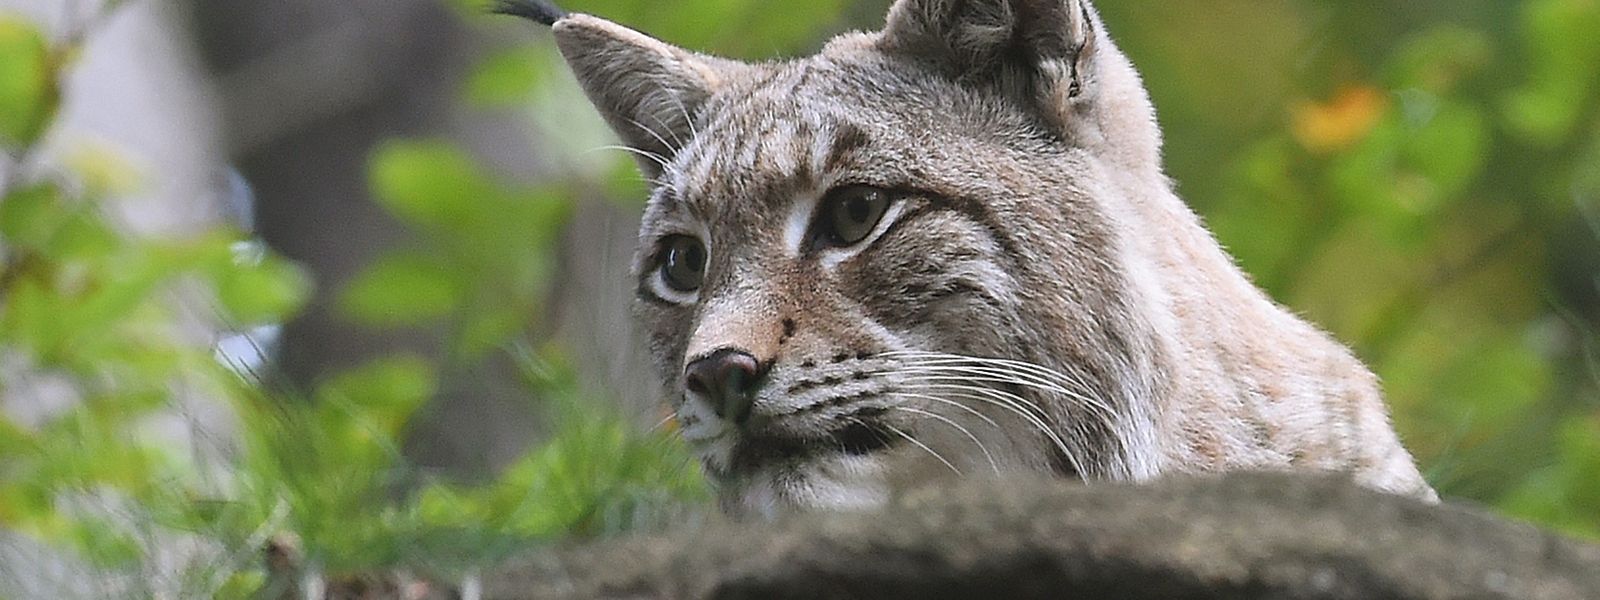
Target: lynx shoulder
pixel 948 248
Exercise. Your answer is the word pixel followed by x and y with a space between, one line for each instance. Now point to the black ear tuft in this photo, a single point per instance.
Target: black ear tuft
pixel 542 11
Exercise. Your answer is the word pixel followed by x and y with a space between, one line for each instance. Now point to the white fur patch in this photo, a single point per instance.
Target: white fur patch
pixel 835 483
pixel 798 223
pixel 845 483
pixel 698 422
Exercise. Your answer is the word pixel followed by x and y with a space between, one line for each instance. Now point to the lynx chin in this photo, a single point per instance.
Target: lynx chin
pixel 948 248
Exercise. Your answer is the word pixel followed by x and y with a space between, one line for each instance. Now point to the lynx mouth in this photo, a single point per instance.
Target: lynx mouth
pixel 759 450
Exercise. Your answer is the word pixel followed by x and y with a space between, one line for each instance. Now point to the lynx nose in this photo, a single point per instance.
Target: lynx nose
pixel 726 379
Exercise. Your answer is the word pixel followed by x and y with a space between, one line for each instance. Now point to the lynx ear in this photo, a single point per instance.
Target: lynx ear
pixel 1040 52
pixel 647 90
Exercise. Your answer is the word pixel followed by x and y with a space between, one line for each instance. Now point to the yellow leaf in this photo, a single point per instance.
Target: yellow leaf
pixel 1339 122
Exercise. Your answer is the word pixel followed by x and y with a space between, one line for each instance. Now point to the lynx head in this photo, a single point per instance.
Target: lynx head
pixel 899 259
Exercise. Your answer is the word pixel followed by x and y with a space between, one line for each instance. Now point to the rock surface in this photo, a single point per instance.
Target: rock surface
pixel 1238 536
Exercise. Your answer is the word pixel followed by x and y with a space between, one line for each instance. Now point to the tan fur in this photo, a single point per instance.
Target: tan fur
pixel 1036 297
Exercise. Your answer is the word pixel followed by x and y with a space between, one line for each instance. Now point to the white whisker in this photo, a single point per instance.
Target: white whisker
pixel 661 423
pixel 975 441
pixel 946 358
pixel 1020 378
pixel 656 158
pixel 1015 404
pixel 962 369
pixel 1039 376
pixel 688 120
pixel 657 136
pixel 922 446
pixel 974 412
pixel 958 376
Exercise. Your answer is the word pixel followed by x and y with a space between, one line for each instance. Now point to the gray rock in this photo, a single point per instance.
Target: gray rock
pixel 1237 536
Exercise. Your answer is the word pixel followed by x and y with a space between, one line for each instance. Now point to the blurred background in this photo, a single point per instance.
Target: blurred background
pixel 354 274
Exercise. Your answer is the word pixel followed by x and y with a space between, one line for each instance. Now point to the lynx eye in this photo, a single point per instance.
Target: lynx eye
pixel 683 263
pixel 850 213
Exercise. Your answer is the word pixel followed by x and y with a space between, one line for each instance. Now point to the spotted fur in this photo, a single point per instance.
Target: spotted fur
pixel 1036 298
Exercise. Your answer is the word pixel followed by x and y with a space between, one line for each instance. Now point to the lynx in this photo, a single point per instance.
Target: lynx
pixel 947 248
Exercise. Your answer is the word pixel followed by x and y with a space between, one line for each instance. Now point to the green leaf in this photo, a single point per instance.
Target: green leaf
pixel 1362 179
pixel 242 585
pixel 84 234
pixel 28 94
pixel 489 329
pixel 506 78
pixel 444 505
pixel 773 28
pixel 30 319
pixel 427 183
pixel 403 289
pixel 383 392
pixel 1448 149
pixel 698 23
pixel 116 297
pixel 104 542
pixel 270 291
pixel 30 216
pixel 1565 493
pixel 39 218
pixel 14 442
pixel 1266 220
pixel 1439 58
pixel 1562 52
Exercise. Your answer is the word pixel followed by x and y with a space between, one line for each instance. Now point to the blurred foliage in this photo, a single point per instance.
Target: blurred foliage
pixel 1422 180
pixel 101 322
